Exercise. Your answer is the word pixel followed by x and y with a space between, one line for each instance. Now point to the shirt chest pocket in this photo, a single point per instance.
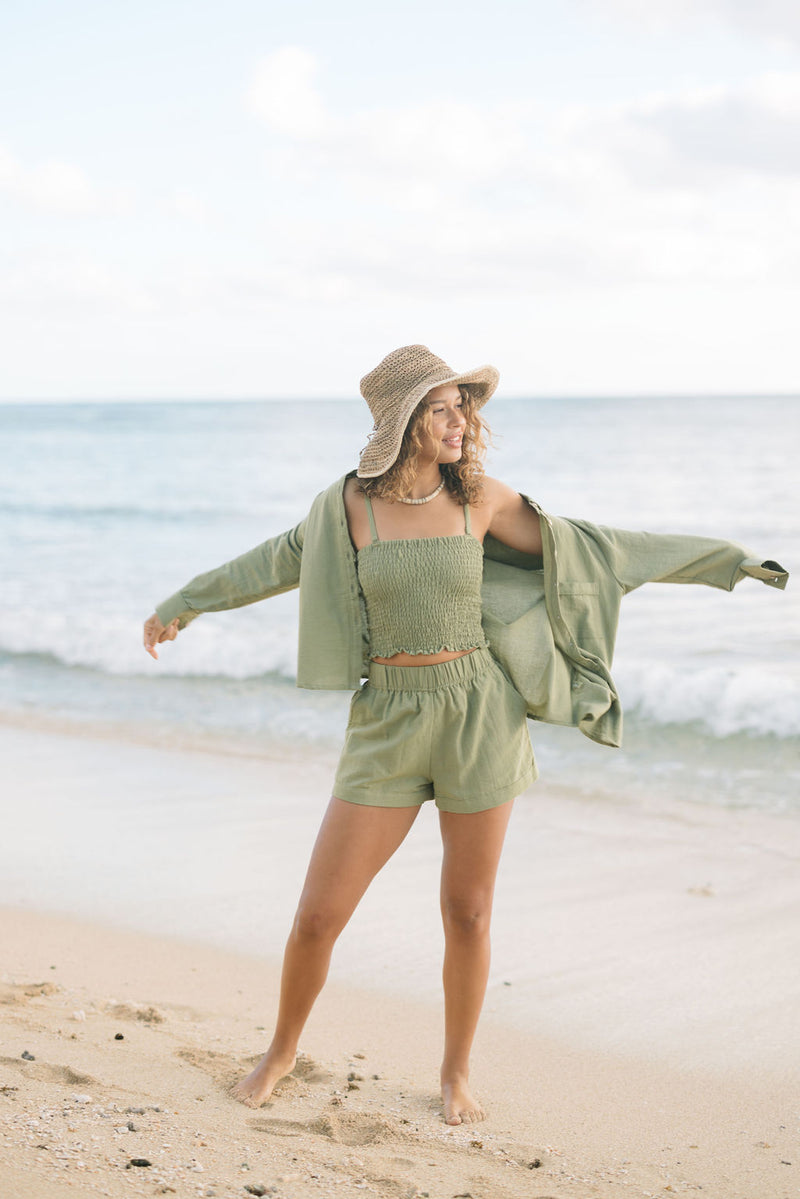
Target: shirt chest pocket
pixel 579 600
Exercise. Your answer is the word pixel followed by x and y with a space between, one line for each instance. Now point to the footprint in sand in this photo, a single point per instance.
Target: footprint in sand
pixel 306 1074
pixel 21 993
pixel 145 1013
pixel 226 1070
pixel 222 1067
pixel 45 1072
pixel 278 1128
pixel 349 1128
pixel 357 1128
pixel 307 1070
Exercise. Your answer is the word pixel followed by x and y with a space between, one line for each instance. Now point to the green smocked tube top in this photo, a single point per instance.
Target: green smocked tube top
pixel 423 594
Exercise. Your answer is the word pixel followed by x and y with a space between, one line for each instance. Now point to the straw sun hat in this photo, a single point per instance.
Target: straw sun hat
pixel 393 390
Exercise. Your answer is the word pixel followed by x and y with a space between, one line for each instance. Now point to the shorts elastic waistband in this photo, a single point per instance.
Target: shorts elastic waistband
pixel 429 678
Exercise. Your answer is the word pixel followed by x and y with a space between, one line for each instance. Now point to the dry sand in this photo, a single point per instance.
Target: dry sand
pixel 648 1044
pixel 134 1040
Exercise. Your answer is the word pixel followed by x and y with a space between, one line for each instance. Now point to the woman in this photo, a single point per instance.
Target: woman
pixel 426 485
pixel 390 565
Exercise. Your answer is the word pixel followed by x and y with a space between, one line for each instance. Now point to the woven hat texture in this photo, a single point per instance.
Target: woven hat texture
pixel 393 390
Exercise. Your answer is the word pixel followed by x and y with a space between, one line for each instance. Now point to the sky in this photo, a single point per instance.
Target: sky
pixel 250 199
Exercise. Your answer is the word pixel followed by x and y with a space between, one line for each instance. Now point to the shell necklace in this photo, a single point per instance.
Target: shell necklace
pixel 425 499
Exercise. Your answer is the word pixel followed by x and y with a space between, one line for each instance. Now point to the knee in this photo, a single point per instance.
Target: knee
pixel 314 922
pixel 466 916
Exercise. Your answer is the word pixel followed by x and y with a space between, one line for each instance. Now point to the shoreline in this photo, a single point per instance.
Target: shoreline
pixel 135 1038
pixel 646 929
pixel 257 719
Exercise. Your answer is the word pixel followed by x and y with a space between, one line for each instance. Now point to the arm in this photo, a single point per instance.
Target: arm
pixel 267 570
pixel 511 519
pixel 637 558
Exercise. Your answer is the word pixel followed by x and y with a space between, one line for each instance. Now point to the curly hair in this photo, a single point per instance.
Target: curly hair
pixel 463 479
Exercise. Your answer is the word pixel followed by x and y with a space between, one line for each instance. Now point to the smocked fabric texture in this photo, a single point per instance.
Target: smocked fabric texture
pixel 393 390
pixel 423 594
pixel 551 621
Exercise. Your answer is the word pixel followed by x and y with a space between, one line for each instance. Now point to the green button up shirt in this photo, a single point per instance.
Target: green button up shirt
pixel 550 622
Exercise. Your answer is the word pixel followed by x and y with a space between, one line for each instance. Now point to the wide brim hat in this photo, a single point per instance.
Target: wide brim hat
pixel 393 390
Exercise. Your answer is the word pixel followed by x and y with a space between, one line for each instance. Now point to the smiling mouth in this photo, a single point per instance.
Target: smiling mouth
pixel 453 441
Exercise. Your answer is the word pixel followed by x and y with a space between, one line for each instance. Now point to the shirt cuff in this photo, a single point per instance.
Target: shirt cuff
pixel 175 606
pixel 771 573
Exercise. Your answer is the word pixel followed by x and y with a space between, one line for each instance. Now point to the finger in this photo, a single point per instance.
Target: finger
pixel 152 628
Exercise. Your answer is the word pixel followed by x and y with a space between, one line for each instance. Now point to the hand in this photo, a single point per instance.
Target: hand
pixel 155 633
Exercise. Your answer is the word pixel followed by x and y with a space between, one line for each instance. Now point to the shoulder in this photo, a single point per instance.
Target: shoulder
pixel 497 494
pixel 355 508
pixel 350 486
pixel 510 518
pixel 328 507
pixel 333 494
pixel 352 495
pixel 499 500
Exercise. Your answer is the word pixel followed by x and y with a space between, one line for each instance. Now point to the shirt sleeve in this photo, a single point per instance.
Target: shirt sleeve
pixel 638 558
pixel 269 569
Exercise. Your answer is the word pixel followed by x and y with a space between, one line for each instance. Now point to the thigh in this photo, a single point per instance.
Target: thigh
pixel 472 844
pixel 352 845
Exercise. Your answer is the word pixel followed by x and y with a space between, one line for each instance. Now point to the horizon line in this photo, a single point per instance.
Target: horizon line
pixel 318 399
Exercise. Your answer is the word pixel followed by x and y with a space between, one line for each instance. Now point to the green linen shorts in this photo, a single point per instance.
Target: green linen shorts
pixel 455 732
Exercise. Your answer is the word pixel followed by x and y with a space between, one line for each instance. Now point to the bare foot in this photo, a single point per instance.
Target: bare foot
pixel 459 1105
pixel 260 1083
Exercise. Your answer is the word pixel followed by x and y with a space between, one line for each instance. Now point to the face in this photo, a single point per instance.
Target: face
pixel 448 423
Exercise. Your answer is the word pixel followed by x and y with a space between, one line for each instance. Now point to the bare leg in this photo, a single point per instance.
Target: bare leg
pixel 353 843
pixel 472 847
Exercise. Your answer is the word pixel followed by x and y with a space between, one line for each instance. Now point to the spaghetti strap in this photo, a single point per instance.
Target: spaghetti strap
pixel 371 516
pixel 467 520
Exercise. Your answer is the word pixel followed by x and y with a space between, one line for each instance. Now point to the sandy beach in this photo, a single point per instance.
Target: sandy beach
pixel 639 1036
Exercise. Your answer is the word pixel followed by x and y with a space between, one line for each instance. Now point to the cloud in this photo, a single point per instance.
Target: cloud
pixel 282 94
pixel 450 198
pixel 419 153
pixel 776 21
pixel 702 137
pixel 445 144
pixel 52 186
pixel 755 130
pixel 446 151
pixel 449 201
pixel 67 287
pixel 189 206
pixel 58 187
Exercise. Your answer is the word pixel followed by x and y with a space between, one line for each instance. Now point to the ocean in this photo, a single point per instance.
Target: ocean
pixel 107 508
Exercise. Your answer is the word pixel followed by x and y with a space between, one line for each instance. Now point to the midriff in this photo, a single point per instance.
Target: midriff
pixel 404 659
